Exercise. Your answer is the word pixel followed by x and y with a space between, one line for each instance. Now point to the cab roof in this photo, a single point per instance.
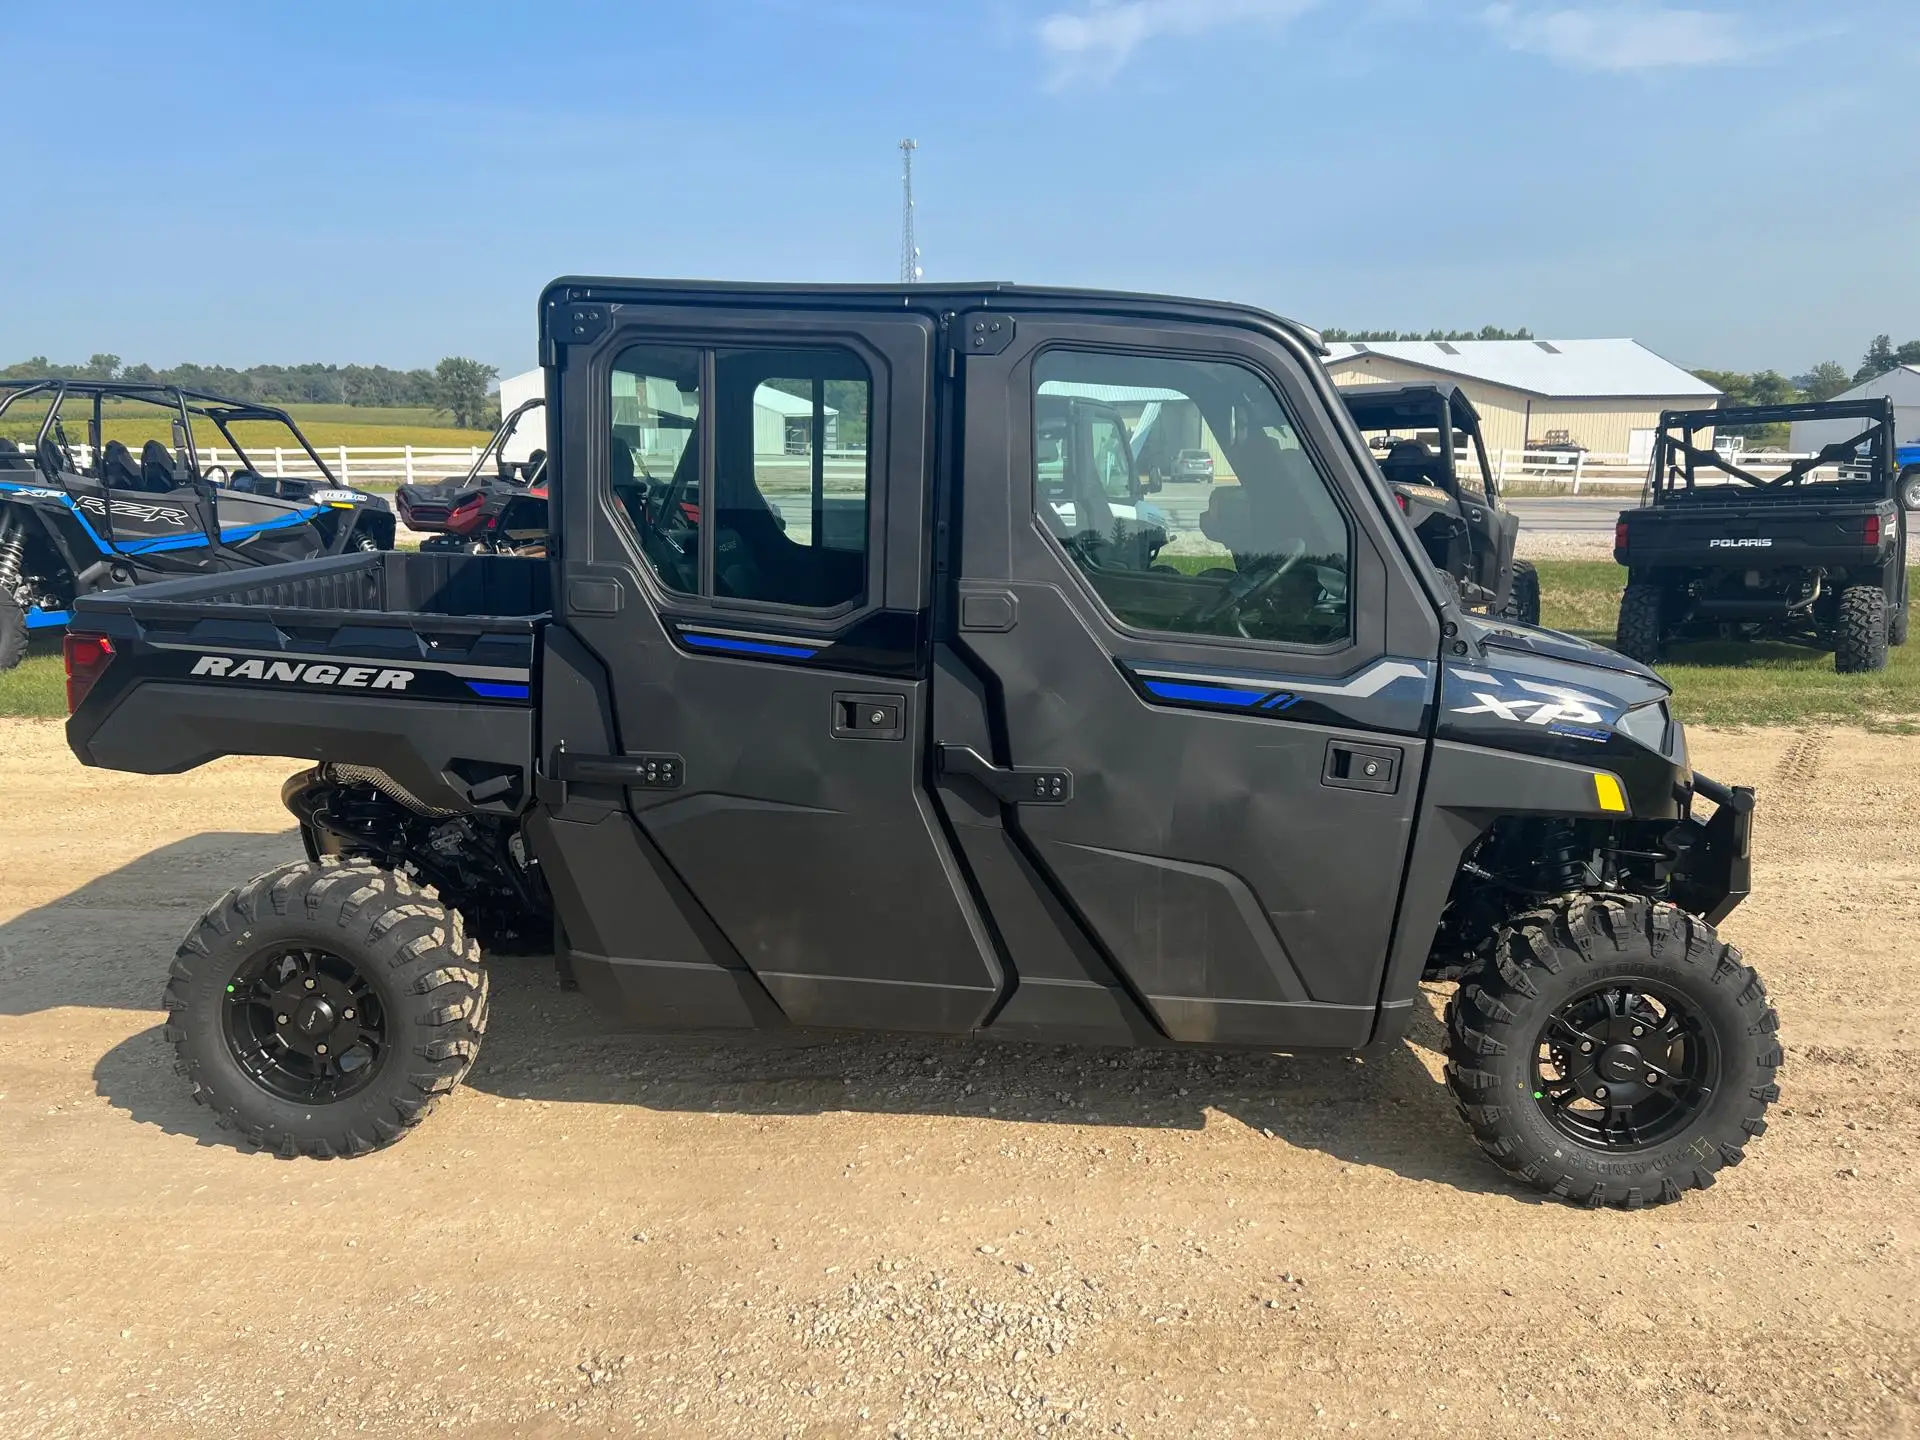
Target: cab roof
pixel 931 298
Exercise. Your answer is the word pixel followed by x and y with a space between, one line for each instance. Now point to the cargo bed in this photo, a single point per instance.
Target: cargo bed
pixel 352 658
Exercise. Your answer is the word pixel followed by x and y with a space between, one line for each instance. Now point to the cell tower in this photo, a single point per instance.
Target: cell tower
pixel 910 271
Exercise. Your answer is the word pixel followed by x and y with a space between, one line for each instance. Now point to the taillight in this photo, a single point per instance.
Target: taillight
pixel 87 659
pixel 1619 534
pixel 1401 501
pixel 1872 537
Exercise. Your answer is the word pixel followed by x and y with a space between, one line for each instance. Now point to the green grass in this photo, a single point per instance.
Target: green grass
pixel 1740 683
pixel 37 687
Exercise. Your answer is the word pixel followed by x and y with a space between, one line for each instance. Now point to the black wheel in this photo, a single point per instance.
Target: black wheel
pixel 1897 620
pixel 1523 598
pixel 1860 634
pixel 1637 634
pixel 1612 1051
pixel 1910 487
pixel 322 1008
pixel 13 633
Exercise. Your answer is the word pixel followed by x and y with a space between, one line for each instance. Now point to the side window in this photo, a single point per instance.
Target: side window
pixel 654 458
pixel 791 477
pixel 1466 466
pixel 786 490
pixel 1181 491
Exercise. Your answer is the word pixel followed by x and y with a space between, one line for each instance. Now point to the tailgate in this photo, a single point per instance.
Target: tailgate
pixel 1762 536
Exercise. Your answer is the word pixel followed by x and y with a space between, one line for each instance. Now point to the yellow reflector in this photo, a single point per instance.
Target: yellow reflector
pixel 1606 789
pixel 341 504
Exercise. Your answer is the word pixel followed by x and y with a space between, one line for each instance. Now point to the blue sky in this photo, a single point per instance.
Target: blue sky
pixel 1734 184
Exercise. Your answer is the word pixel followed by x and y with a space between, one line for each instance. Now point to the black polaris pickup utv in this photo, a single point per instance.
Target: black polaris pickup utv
pixel 1451 498
pixel 80 512
pixel 1816 554
pixel 846 724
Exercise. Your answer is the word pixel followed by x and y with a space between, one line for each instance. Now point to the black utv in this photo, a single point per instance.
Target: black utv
pixel 1426 437
pixel 80 512
pixel 1816 554
pixel 851 725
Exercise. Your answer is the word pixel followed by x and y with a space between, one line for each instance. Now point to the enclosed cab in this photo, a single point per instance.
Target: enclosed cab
pixel 880 734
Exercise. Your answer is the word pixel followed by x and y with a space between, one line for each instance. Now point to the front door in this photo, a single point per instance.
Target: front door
pixel 743 565
pixel 1184 777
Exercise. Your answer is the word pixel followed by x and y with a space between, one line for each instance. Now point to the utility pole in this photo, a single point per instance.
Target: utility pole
pixel 910 271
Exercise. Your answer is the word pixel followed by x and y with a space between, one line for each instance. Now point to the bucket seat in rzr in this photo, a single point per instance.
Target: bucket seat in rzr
pixel 1410 462
pixel 157 472
pixel 11 456
pixel 118 470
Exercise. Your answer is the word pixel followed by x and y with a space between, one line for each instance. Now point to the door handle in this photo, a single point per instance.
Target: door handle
pixel 1011 784
pixel 1363 767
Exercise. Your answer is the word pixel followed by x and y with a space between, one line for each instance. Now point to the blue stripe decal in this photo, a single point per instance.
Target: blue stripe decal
pixel 1204 694
pixel 495 690
pixel 38 619
pixel 747 647
pixel 163 542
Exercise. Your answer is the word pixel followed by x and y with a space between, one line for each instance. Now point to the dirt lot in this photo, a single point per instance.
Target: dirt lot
pixel 844 1236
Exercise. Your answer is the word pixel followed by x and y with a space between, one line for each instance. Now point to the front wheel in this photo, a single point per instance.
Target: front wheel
pixel 1861 633
pixel 1523 598
pixel 1610 1050
pixel 324 1007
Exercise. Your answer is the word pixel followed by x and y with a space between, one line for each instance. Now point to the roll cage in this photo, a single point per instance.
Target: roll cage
pixel 219 410
pixel 1424 404
pixel 1678 462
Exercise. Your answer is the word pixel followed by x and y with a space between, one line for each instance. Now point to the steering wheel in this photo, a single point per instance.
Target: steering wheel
pixel 1244 591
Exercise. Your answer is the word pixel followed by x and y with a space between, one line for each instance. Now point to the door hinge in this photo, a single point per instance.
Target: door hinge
pixel 981 332
pixel 580 323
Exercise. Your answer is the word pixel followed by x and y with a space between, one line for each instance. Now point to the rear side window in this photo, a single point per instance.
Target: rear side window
pixel 779 512
pixel 1180 490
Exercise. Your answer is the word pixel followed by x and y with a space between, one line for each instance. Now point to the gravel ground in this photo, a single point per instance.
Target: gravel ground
pixel 851 1236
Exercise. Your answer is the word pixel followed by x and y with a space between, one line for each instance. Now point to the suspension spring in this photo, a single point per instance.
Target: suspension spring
pixel 13 544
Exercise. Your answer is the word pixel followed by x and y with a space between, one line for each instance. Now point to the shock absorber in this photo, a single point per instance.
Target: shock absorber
pixel 13 546
pixel 1561 867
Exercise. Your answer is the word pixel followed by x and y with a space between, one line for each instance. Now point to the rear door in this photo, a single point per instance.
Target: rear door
pixel 1184 781
pixel 743 568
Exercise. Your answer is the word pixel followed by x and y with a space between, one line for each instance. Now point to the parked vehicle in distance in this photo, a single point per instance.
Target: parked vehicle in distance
pixel 1445 487
pixel 81 512
pixel 1557 451
pixel 1193 465
pixel 1817 554
pixel 493 478
pixel 1907 457
pixel 938 759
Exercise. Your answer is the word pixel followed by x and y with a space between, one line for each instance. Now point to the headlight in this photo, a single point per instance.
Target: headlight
pixel 1651 725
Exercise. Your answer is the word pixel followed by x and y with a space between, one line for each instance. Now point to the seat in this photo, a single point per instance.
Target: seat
pixel 1410 462
pixel 157 473
pixel 12 457
pixel 117 468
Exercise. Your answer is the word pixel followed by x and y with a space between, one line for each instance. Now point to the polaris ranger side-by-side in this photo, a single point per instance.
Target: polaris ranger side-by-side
pixel 1815 554
pixel 1451 499
pixel 847 724
pixel 80 512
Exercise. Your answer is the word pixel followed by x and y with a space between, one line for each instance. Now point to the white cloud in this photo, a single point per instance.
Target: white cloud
pixel 1621 37
pixel 1095 40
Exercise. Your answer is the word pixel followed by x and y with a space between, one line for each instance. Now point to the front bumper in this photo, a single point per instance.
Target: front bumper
pixel 1714 872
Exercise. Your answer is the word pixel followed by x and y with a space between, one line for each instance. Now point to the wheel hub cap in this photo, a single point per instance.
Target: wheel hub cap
pixel 1624 1066
pixel 305 1024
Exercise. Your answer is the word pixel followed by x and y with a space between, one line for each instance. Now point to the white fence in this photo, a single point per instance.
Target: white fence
pixel 358 464
pixel 1588 470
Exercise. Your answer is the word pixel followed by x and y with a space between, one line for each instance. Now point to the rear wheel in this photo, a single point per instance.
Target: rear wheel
pixel 1523 599
pixel 1638 634
pixel 13 633
pixel 1612 1051
pixel 324 1007
pixel 1861 632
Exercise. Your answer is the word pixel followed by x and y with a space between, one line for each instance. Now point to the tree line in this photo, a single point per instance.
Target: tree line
pixel 1824 381
pixel 457 386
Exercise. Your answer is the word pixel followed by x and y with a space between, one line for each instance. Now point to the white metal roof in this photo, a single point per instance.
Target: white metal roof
pixel 1564 369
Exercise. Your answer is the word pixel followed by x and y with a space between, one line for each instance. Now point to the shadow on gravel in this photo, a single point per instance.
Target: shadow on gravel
pixel 108 945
